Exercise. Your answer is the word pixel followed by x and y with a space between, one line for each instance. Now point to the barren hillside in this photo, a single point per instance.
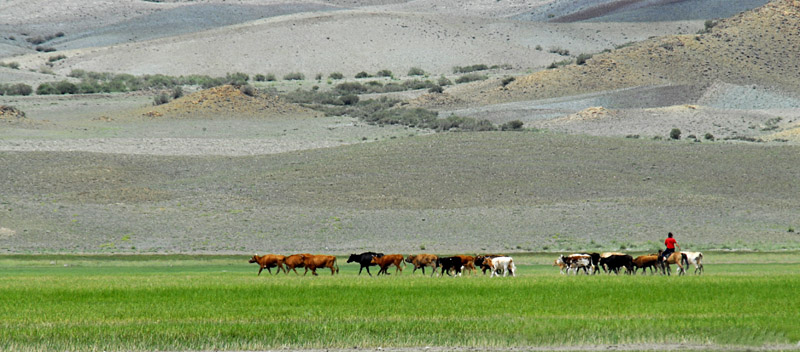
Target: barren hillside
pixel 758 47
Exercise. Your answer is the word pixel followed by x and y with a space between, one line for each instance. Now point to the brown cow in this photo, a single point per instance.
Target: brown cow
pixel 387 260
pixel 268 261
pixel 646 261
pixel 320 261
pixel 294 261
pixel 421 261
pixel 468 263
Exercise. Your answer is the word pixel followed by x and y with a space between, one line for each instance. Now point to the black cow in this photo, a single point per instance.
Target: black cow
pixel 615 262
pixel 595 262
pixel 365 259
pixel 448 263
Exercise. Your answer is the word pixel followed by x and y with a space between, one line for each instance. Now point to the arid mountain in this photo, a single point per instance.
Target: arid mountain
pixel 757 47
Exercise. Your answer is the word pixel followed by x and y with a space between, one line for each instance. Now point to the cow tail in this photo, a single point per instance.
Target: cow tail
pixel 336 264
pixel 684 260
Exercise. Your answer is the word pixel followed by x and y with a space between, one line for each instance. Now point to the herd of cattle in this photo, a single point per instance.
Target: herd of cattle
pixel 496 264
pixel 614 262
pixel 454 265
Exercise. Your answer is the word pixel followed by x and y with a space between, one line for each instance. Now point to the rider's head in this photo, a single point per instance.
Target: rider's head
pixel 669 235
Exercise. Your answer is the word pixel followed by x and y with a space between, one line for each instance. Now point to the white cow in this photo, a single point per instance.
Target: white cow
pixel 694 258
pixel 504 264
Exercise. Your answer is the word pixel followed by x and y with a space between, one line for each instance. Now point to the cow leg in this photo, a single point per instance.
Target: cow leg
pixel 259 270
pixel 359 270
pixel 332 271
pixel 370 274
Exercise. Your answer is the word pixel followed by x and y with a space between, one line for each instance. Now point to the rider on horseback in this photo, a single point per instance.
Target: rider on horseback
pixel 670 243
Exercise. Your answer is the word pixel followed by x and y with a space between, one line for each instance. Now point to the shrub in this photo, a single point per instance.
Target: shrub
pixel 11 65
pixel 45 49
pixel 350 88
pixel 538 47
pixel 557 64
pixel 416 71
pixel 19 89
pixel 582 58
pixel 177 92
pixel 318 76
pixel 66 87
pixel 294 76
pixel 160 99
pixel 349 99
pixel 559 51
pixel 270 77
pixel 444 81
pixel 506 81
pixel 36 40
pixel 336 75
pixel 709 136
pixel 362 74
pixel 46 89
pixel 471 68
pixel 56 58
pixel 259 78
pixel 471 77
pixel 248 90
pixel 237 79
pixel 515 125
pixel 384 73
pixel 436 89
pixel 675 133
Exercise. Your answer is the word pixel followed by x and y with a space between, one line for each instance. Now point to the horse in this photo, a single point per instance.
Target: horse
pixel 674 258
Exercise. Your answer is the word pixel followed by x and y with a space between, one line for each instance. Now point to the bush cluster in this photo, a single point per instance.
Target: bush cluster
pixel 104 82
pixel 470 68
pixel 471 77
pixel 15 89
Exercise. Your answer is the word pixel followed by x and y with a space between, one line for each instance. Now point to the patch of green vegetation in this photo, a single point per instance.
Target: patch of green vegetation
pixel 470 68
pixel 557 64
pixel 217 303
pixel 471 77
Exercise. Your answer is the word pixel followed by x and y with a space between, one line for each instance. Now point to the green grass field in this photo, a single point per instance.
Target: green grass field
pixel 108 303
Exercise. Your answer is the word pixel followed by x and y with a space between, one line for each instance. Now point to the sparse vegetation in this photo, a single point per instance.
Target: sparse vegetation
pixel 416 71
pixel 444 81
pixel 384 73
pixel 336 75
pixel 470 68
pixel 709 136
pixel 707 26
pixel 177 92
pixel 56 58
pixel 557 64
pixel 507 80
pixel 161 99
pixel 559 50
pixel 18 89
pixel 294 76
pixel 675 133
pixel 362 74
pixel 471 77
pixel 436 89
pixel 12 65
pixel 581 59
pixel 259 78
pixel 515 125
pixel 248 90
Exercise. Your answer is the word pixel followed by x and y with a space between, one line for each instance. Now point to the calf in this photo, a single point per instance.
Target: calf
pixel 386 261
pixel 504 264
pixel 614 262
pixel 267 262
pixel 559 262
pixel 448 263
pixel 294 261
pixel 645 261
pixel 421 261
pixel 364 259
pixel 320 261
pixel 694 258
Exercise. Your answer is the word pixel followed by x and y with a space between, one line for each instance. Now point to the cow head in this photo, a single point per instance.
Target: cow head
pixel 488 262
pixel 254 259
pixel 353 258
pixel 411 258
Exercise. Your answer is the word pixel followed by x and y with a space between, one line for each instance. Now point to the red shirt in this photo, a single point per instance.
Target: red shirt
pixel 670 242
